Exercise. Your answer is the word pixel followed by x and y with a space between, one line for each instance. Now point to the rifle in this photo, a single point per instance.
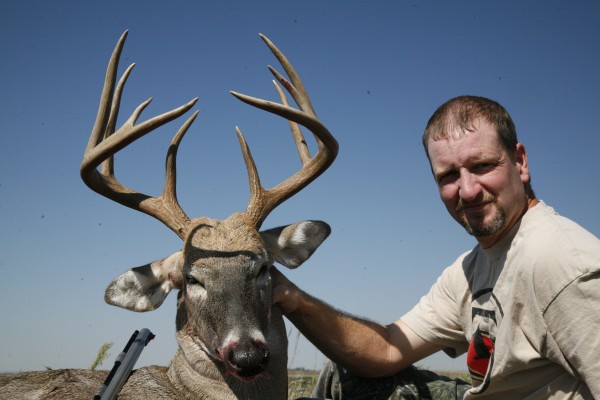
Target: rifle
pixel 123 365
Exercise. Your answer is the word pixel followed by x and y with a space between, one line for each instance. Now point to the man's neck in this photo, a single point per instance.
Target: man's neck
pixel 532 203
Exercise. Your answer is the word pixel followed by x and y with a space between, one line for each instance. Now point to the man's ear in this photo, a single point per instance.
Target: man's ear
pixel 522 163
pixel 291 245
pixel 145 288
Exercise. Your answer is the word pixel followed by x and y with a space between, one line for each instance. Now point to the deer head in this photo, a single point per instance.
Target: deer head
pixel 222 271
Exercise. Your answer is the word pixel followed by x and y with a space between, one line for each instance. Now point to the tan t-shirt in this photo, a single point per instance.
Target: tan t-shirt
pixel 526 311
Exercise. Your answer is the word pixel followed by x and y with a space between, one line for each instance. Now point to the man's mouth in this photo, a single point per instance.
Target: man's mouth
pixel 474 206
pixel 470 207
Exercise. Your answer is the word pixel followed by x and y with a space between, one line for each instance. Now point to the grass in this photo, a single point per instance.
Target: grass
pixel 102 355
pixel 464 375
pixel 301 382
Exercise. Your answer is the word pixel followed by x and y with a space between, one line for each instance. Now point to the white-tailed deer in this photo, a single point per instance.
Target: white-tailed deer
pixel 232 342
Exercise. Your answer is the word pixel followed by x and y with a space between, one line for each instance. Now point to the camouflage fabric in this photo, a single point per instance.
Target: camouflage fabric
pixel 410 384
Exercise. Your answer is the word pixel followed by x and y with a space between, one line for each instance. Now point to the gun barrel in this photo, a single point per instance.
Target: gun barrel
pixel 124 363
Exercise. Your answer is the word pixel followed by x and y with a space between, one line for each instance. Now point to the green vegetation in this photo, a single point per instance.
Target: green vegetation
pixel 101 356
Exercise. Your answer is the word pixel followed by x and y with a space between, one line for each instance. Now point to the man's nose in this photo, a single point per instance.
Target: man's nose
pixel 469 187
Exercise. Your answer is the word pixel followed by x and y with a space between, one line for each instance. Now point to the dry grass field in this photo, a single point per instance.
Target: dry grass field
pixel 464 375
pixel 302 381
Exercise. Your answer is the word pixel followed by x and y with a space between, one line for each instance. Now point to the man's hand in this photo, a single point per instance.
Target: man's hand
pixel 286 295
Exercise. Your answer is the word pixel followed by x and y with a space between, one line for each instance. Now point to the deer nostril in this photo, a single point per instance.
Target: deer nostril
pixel 249 359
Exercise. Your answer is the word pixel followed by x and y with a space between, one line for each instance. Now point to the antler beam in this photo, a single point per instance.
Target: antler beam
pixel 105 142
pixel 263 201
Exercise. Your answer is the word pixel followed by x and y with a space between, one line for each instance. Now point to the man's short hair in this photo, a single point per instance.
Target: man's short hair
pixel 462 112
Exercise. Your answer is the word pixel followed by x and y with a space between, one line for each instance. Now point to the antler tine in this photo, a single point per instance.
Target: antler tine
pixel 296 89
pixel 301 145
pixel 263 201
pixel 108 164
pixel 104 142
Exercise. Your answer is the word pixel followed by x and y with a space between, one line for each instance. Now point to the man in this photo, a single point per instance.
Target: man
pixel 523 304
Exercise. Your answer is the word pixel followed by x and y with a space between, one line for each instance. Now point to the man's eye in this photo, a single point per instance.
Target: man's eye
pixel 482 168
pixel 447 178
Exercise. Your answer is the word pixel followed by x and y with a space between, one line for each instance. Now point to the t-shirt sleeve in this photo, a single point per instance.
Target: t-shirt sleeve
pixel 572 320
pixel 436 318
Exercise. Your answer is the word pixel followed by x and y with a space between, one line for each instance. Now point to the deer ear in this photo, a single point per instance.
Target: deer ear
pixel 145 288
pixel 291 245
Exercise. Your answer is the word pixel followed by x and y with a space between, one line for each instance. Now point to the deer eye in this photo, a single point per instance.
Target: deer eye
pixel 190 280
pixel 264 269
pixel 263 274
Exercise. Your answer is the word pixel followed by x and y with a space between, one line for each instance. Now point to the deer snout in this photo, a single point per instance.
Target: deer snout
pixel 245 359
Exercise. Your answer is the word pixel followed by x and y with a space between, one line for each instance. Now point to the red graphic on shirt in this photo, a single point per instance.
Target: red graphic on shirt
pixel 478 356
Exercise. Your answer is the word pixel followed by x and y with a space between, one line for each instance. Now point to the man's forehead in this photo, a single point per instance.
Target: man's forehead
pixel 479 143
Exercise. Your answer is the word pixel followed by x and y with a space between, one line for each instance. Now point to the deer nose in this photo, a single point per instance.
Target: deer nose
pixel 247 358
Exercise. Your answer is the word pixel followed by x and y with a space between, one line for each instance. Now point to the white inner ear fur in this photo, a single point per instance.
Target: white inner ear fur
pixel 145 288
pixel 293 244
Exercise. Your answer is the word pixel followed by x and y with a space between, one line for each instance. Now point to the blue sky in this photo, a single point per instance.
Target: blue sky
pixel 375 72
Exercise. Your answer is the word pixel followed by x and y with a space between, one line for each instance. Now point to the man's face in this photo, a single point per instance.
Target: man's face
pixel 480 183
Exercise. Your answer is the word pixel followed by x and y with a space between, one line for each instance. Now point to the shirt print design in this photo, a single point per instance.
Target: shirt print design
pixel 486 316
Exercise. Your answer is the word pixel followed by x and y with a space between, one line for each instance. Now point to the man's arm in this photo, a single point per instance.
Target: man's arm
pixel 363 347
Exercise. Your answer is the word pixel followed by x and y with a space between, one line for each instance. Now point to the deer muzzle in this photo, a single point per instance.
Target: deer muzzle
pixel 245 359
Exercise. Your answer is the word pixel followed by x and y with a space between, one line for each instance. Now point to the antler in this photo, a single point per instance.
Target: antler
pixel 105 142
pixel 263 201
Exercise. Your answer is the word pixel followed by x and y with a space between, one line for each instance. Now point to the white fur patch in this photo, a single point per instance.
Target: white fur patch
pixel 297 242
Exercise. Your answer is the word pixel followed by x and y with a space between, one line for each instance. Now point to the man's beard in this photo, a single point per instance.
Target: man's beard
pixel 480 228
